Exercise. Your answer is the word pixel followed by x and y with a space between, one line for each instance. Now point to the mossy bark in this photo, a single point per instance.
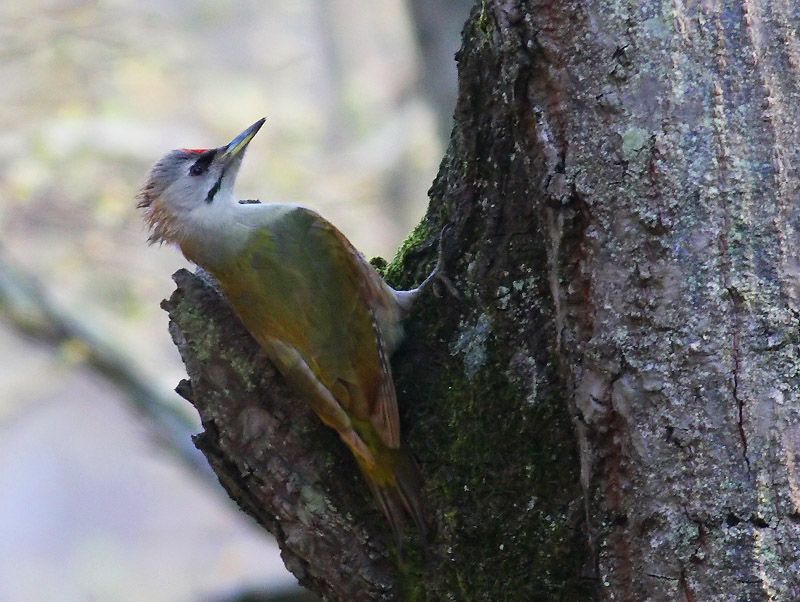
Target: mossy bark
pixel 611 410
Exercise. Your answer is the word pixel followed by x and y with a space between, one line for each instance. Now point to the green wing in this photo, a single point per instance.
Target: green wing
pixel 299 280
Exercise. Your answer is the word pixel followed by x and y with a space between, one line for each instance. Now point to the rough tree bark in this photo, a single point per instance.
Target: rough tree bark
pixel 612 411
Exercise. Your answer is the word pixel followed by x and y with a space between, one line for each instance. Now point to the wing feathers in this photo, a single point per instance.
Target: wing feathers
pixel 322 295
pixel 385 417
pixel 373 366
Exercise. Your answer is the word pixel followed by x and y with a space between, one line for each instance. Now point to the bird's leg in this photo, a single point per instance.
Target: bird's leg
pixel 406 299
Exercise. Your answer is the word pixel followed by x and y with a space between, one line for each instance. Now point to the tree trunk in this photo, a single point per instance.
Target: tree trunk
pixel 611 412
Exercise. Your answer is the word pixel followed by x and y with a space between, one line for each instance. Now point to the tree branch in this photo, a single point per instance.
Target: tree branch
pixel 274 456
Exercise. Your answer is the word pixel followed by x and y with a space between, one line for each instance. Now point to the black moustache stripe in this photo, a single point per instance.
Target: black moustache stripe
pixel 215 188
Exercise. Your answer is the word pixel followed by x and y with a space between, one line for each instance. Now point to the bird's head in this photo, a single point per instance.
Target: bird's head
pixel 188 186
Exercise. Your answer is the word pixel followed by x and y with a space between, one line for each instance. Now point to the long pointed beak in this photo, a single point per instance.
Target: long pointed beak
pixel 238 144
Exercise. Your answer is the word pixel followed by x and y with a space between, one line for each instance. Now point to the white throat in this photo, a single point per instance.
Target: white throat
pixel 214 231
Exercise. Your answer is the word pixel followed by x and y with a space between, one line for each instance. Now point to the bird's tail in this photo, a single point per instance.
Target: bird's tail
pixel 396 484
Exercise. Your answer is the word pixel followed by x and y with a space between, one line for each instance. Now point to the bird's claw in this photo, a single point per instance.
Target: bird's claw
pixel 438 275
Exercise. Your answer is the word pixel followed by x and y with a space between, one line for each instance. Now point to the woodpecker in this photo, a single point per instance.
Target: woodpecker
pixel 321 312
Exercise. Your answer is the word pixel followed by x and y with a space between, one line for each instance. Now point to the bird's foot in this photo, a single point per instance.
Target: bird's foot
pixel 438 276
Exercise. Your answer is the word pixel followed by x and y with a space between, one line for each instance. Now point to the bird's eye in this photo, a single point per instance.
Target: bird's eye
pixel 200 166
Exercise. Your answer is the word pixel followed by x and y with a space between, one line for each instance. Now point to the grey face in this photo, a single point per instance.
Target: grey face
pixel 192 185
pixel 186 177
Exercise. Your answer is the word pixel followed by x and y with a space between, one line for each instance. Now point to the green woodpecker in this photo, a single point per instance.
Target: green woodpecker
pixel 323 315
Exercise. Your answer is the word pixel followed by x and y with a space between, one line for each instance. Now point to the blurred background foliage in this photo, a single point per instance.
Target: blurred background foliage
pixel 97 500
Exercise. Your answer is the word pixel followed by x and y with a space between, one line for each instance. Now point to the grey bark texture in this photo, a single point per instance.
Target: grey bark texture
pixel 611 412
